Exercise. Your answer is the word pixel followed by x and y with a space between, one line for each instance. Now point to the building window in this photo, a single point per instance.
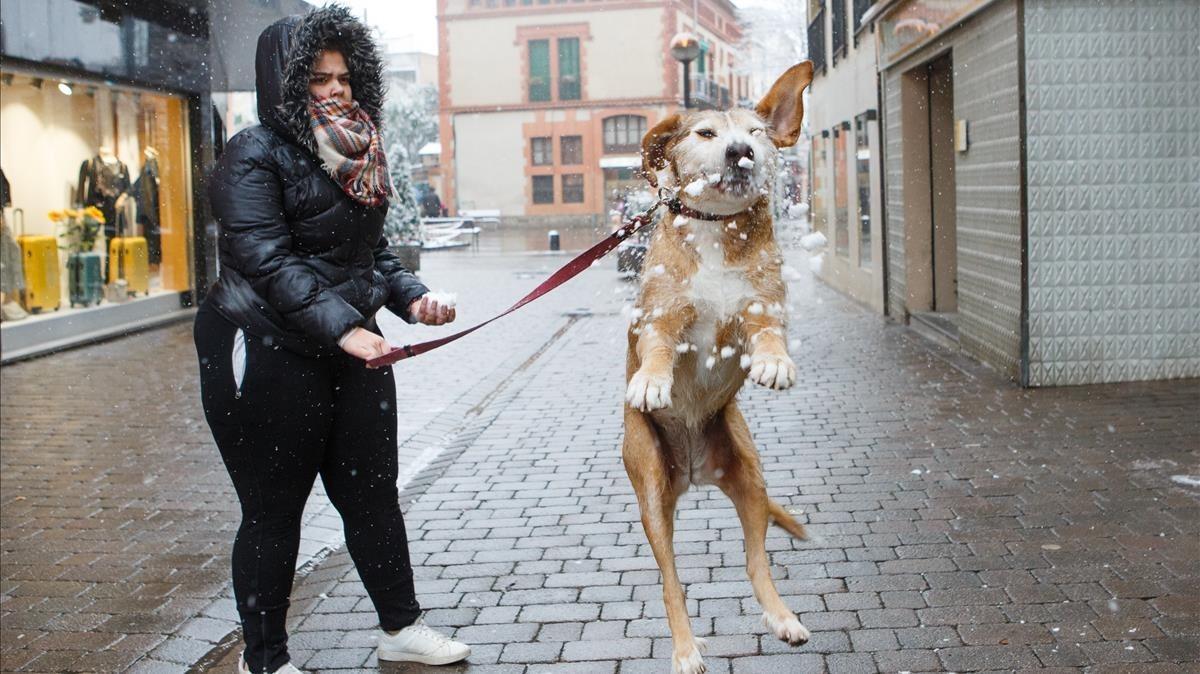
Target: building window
pixel 539 70
pixel 837 32
pixel 841 204
pixel 860 8
pixel 571 150
pixel 541 151
pixel 816 34
pixel 543 189
pixel 862 158
pixel 568 69
pixel 623 133
pixel 572 188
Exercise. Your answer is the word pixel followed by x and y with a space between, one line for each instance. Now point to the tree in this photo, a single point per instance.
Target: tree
pixel 410 117
pixel 775 38
pixel 403 222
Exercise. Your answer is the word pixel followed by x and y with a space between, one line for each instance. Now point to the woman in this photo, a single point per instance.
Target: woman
pixel 282 336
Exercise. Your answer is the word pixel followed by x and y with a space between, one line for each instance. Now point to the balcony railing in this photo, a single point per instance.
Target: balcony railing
pixel 706 93
pixel 816 40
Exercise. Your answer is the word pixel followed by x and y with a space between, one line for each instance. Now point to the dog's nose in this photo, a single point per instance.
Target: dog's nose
pixel 735 152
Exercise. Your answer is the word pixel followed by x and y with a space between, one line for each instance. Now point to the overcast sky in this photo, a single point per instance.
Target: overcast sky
pixel 411 25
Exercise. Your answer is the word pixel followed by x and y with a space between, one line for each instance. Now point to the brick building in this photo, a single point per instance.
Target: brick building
pixel 543 106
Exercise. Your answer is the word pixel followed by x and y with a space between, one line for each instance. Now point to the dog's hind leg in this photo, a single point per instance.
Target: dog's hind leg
pixel 653 479
pixel 785 520
pixel 741 480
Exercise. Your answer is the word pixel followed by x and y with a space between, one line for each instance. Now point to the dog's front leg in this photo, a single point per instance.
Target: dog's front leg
pixel 770 364
pixel 650 386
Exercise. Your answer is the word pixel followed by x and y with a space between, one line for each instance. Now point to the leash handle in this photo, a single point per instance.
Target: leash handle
pixel 567 272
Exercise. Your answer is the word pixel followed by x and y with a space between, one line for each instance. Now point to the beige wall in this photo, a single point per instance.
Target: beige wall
pixel 841 93
pixel 485 65
pixel 621 38
pixel 490 158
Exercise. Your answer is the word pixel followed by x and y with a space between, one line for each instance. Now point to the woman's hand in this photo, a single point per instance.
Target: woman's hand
pixel 428 310
pixel 365 344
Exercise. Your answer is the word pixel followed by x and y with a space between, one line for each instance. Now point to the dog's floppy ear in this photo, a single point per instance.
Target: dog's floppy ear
pixel 654 147
pixel 783 106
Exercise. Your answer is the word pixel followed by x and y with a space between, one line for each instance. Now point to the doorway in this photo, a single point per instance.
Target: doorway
pixel 931 241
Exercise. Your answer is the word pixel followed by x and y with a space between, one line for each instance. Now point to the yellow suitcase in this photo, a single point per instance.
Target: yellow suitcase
pixel 39 260
pixel 129 259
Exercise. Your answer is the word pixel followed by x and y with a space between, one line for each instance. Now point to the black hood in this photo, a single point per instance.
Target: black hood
pixel 286 52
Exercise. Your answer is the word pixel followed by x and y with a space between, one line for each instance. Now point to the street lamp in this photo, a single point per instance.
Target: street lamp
pixel 685 47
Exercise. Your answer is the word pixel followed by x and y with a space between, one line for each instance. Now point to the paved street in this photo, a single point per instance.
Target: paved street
pixel 960 523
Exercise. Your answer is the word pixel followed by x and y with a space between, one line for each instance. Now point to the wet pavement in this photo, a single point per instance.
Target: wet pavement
pixel 960 523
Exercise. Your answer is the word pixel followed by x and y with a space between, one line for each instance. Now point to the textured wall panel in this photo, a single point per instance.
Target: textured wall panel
pixel 894 197
pixel 988 176
pixel 1113 91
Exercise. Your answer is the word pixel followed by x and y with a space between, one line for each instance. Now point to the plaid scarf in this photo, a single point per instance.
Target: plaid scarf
pixel 351 149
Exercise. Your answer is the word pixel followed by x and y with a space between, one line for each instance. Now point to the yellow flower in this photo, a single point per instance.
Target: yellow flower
pixel 55 216
pixel 94 213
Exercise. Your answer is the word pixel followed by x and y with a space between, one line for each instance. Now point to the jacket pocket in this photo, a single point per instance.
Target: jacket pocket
pixel 239 362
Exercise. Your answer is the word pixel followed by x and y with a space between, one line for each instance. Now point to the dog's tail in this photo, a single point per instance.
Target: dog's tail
pixel 784 519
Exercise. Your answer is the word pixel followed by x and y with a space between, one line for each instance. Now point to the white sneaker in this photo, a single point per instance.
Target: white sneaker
pixel 420 643
pixel 243 668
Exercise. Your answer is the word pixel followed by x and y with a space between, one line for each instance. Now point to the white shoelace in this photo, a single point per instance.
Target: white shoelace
pixel 429 632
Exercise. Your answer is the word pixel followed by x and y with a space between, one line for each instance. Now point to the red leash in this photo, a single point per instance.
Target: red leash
pixel 568 271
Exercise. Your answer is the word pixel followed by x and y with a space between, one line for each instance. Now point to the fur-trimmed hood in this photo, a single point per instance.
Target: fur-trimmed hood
pixel 286 52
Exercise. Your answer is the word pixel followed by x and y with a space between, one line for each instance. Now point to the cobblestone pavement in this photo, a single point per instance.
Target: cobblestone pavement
pixel 960 523
pixel 117 516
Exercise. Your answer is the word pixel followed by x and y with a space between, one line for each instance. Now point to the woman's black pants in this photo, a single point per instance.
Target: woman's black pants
pixel 279 420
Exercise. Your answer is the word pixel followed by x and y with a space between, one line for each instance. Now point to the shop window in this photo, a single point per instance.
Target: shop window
pixel 543 189
pixel 539 70
pixel 820 183
pixel 568 69
pixel 841 203
pixel 862 158
pixel 123 229
pixel 572 150
pixel 572 188
pixel 541 151
pixel 623 133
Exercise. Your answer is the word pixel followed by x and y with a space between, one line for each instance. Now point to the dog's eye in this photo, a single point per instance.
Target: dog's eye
pixel 706 133
pixel 757 132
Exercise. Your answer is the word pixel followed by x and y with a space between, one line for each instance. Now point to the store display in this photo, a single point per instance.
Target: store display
pixel 103 181
pixel 85 283
pixel 39 260
pixel 12 278
pixel 129 259
pixel 145 193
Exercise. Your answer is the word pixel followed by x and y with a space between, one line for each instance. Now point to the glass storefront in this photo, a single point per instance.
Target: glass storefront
pixel 97 194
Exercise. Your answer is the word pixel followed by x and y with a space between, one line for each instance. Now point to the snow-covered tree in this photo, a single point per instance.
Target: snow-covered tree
pixel 410 117
pixel 774 38
pixel 403 222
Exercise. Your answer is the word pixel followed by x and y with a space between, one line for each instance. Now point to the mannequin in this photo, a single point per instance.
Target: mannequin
pixel 103 183
pixel 145 193
pixel 12 278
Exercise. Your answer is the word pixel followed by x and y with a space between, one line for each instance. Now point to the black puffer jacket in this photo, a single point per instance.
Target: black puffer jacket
pixel 301 262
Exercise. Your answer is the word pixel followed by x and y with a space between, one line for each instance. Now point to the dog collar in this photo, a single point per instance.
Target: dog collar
pixel 675 205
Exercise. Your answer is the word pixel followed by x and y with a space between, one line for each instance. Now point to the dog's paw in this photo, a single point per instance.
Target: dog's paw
pixel 688 662
pixel 648 392
pixel 787 628
pixel 775 372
